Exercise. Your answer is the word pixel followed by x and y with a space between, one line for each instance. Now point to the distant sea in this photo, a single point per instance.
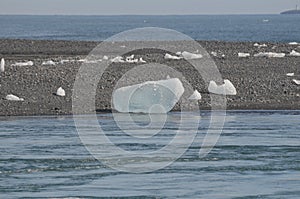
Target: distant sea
pixel 272 28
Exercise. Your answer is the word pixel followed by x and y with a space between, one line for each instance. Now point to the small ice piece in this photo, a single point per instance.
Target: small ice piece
pixel 131 59
pixel 295 53
pixel 296 81
pixel 2 65
pixel 141 60
pixel 168 56
pixel 293 43
pixel 168 77
pixel 225 89
pixel 61 92
pixel 260 45
pixel 215 54
pixel 148 97
pixel 123 46
pixel 49 63
pixel 13 98
pixel 290 74
pixel 195 96
pixel 179 53
pixel 244 55
pixel 29 63
pixel 188 55
pixel 265 20
pixel 64 61
pixel 105 57
pixel 117 59
pixel 223 55
pixel 270 54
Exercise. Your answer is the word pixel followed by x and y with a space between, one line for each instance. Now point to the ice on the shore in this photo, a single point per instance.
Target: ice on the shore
pixel 2 65
pixel 270 54
pixel 49 63
pixel 118 59
pixel 28 63
pixel 195 96
pixel 295 53
pixel 260 45
pixel 244 55
pixel 61 92
pixel 105 57
pixel 141 60
pixel 225 89
pixel 131 59
pixel 293 43
pixel 215 54
pixel 188 56
pixel 296 81
pixel 148 97
pixel 168 56
pixel 12 97
pixel 290 74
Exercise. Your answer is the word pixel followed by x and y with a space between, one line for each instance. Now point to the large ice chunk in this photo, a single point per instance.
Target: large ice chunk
pixel 148 97
pixel 12 97
pixel 225 89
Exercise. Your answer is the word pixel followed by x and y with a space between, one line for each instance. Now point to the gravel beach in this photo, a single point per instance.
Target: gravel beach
pixel 261 82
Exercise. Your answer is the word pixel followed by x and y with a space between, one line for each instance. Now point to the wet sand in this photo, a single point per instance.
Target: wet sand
pixel 261 82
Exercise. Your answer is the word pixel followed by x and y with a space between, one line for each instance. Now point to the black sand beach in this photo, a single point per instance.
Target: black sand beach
pixel 261 82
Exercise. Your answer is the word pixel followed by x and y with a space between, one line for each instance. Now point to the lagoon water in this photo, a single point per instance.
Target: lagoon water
pixel 274 28
pixel 257 156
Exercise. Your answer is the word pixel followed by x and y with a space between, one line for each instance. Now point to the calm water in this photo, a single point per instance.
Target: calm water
pixel 257 156
pixel 277 28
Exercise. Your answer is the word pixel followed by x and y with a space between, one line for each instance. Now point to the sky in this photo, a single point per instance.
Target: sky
pixel 144 7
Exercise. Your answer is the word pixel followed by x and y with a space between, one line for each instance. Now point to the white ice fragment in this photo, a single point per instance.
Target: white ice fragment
pixel 131 59
pixel 168 56
pixel 223 55
pixel 61 92
pixel 290 74
pixel 293 43
pixel 168 77
pixel 265 20
pixel 13 98
pixel 270 54
pixel 117 59
pixel 29 63
pixel 225 89
pixel 179 53
pixel 215 54
pixel 296 81
pixel 244 55
pixel 188 55
pixel 295 53
pixel 105 57
pixel 49 63
pixel 148 97
pixel 195 96
pixel 260 45
pixel 141 60
pixel 2 65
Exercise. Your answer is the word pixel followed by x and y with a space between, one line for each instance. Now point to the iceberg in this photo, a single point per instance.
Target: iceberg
pixel 290 74
pixel 295 53
pixel 270 55
pixel 168 56
pixel 141 60
pixel 225 89
pixel 215 54
pixel 61 92
pixel 296 81
pixel 148 97
pixel 2 65
pixel 195 96
pixel 29 63
pixel 13 98
pixel 244 55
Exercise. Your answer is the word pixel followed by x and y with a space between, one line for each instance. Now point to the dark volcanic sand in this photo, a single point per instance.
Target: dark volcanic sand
pixel 261 83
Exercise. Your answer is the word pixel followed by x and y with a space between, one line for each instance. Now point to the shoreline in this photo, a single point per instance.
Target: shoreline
pixel 261 82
